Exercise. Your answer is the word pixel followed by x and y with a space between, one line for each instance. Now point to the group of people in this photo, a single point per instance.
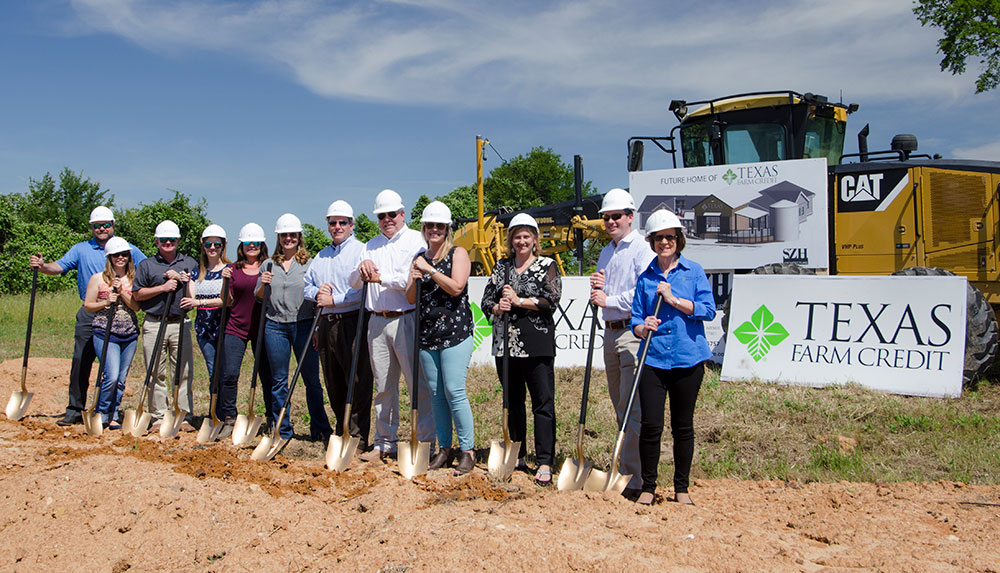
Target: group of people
pixel 410 283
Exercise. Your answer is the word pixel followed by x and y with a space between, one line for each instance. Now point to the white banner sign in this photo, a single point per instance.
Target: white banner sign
pixel 904 335
pixel 746 215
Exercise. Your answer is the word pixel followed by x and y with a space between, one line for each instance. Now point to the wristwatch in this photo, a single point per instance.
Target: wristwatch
pixel 432 273
pixel 520 301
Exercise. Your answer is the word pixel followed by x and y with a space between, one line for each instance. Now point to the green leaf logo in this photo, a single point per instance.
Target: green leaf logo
pixel 760 333
pixel 481 327
pixel 729 177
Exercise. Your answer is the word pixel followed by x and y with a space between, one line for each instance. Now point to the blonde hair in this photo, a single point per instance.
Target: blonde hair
pixel 510 239
pixel 203 259
pixel 109 269
pixel 445 246
pixel 301 255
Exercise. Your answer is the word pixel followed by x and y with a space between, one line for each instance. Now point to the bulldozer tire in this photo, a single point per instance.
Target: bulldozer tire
pixel 771 269
pixel 981 332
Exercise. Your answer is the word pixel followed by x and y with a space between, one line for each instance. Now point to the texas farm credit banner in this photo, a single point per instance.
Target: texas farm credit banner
pixel 746 215
pixel 904 335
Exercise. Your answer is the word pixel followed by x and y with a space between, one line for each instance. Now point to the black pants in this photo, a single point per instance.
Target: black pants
pixel 336 340
pixel 233 349
pixel 535 374
pixel 84 356
pixel 682 384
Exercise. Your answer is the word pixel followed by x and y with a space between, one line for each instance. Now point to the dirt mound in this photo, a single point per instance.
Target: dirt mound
pixel 120 503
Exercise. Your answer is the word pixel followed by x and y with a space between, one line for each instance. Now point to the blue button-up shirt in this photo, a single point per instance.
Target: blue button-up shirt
pixel 622 263
pixel 88 258
pixel 680 341
pixel 334 265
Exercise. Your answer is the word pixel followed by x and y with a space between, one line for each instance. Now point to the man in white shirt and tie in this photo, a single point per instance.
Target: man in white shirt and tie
pixel 385 267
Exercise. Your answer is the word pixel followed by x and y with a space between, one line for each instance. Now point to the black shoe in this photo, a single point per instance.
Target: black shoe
pixel 441 459
pixel 72 417
pixel 466 462
pixel 227 428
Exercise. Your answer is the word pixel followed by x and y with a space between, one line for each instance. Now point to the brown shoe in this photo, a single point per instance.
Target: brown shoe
pixel 466 463
pixel 441 459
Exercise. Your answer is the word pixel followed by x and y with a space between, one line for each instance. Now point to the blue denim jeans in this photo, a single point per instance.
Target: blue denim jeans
pixel 207 346
pixel 233 349
pixel 444 371
pixel 280 340
pixel 112 385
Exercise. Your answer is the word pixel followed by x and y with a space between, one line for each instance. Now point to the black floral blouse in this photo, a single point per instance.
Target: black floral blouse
pixel 445 320
pixel 532 332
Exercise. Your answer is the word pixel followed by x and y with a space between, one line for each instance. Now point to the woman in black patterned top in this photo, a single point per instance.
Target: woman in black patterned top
pixel 528 287
pixel 445 334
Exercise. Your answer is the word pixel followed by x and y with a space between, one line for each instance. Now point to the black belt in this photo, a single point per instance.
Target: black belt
pixel 616 324
pixel 330 317
pixel 392 313
pixel 160 317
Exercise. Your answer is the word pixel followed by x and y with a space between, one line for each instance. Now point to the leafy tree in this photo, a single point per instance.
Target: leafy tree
pixel 137 224
pixel 315 240
pixel 364 228
pixel 538 178
pixel 418 209
pixel 19 239
pixel 462 201
pixel 971 30
pixel 69 204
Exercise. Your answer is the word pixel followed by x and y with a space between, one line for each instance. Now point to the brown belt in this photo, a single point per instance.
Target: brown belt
pixel 337 316
pixel 392 313
pixel 616 324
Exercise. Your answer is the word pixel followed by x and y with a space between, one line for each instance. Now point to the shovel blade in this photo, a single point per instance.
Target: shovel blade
pixel 141 425
pixel 93 423
pixel 171 424
pixel 128 421
pixel 412 460
pixel 18 405
pixel 607 481
pixel 340 451
pixel 245 429
pixel 268 448
pixel 503 458
pixel 574 474
pixel 209 431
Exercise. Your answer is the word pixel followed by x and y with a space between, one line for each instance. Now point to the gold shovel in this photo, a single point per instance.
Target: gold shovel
pixel 136 422
pixel 173 418
pixel 270 445
pixel 413 457
pixel 18 403
pixel 612 480
pixel 341 449
pixel 92 421
pixel 503 454
pixel 574 472
pixel 246 426
pixel 212 425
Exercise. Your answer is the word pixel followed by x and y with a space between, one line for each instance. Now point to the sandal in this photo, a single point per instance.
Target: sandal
pixel 546 474
pixel 645 498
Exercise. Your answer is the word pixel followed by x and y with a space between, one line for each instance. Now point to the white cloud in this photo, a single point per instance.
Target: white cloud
pixel 613 61
pixel 988 152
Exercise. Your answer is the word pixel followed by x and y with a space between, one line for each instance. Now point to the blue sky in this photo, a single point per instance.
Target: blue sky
pixel 266 107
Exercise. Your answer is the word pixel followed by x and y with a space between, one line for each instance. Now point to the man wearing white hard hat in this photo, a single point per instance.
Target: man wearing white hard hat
pixel 87 258
pixel 612 288
pixel 167 271
pixel 328 283
pixel 385 271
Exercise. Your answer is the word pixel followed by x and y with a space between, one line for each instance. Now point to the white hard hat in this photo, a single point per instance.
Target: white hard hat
pixel 523 219
pixel 662 219
pixel 436 212
pixel 288 223
pixel 340 208
pixel 213 231
pixel 251 232
pixel 117 245
pixel 167 230
pixel 617 200
pixel 101 214
pixel 388 201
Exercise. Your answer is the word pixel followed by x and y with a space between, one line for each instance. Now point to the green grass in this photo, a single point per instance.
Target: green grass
pixel 742 430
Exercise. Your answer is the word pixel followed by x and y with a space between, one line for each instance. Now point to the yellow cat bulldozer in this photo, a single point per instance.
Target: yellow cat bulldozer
pixel 890 211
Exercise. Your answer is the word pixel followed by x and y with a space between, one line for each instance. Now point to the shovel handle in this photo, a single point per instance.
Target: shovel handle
pixel 180 362
pixel 505 376
pixel 219 340
pixel 157 344
pixel 415 369
pixel 586 372
pixel 355 351
pixel 638 368
pixel 261 319
pixel 27 335
pixel 112 309
pixel 298 369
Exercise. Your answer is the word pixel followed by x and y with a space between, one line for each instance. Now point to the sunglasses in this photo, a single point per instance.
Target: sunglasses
pixel 665 237
pixel 255 244
pixel 392 215
pixel 167 239
pixel 96 226
pixel 338 223
pixel 436 226
pixel 613 217
pixel 212 244
pixel 126 255
pixel 287 235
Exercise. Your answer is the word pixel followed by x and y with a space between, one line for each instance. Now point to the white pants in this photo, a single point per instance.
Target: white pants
pixel 163 377
pixel 620 350
pixel 390 344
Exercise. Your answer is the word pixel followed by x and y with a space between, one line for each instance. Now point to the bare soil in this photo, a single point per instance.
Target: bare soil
pixel 116 503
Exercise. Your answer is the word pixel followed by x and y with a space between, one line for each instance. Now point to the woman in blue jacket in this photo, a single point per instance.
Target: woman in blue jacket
pixel 675 363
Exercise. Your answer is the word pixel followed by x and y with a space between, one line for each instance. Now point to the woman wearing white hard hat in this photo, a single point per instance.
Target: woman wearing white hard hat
pixel 121 332
pixel 528 287
pixel 288 317
pixel 241 325
pixel 208 292
pixel 675 362
pixel 446 343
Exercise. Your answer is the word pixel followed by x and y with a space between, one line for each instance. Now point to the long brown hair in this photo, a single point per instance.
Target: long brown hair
pixel 109 269
pixel 203 259
pixel 301 255
pixel 241 258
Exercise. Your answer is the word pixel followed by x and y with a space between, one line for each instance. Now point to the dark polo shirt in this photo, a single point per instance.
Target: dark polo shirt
pixel 149 273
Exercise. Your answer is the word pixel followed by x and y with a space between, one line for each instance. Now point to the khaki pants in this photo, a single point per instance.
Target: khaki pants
pixel 166 370
pixel 620 350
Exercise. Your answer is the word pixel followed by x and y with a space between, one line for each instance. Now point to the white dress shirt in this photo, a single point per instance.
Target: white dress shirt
pixel 393 258
pixel 623 262
pixel 334 265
